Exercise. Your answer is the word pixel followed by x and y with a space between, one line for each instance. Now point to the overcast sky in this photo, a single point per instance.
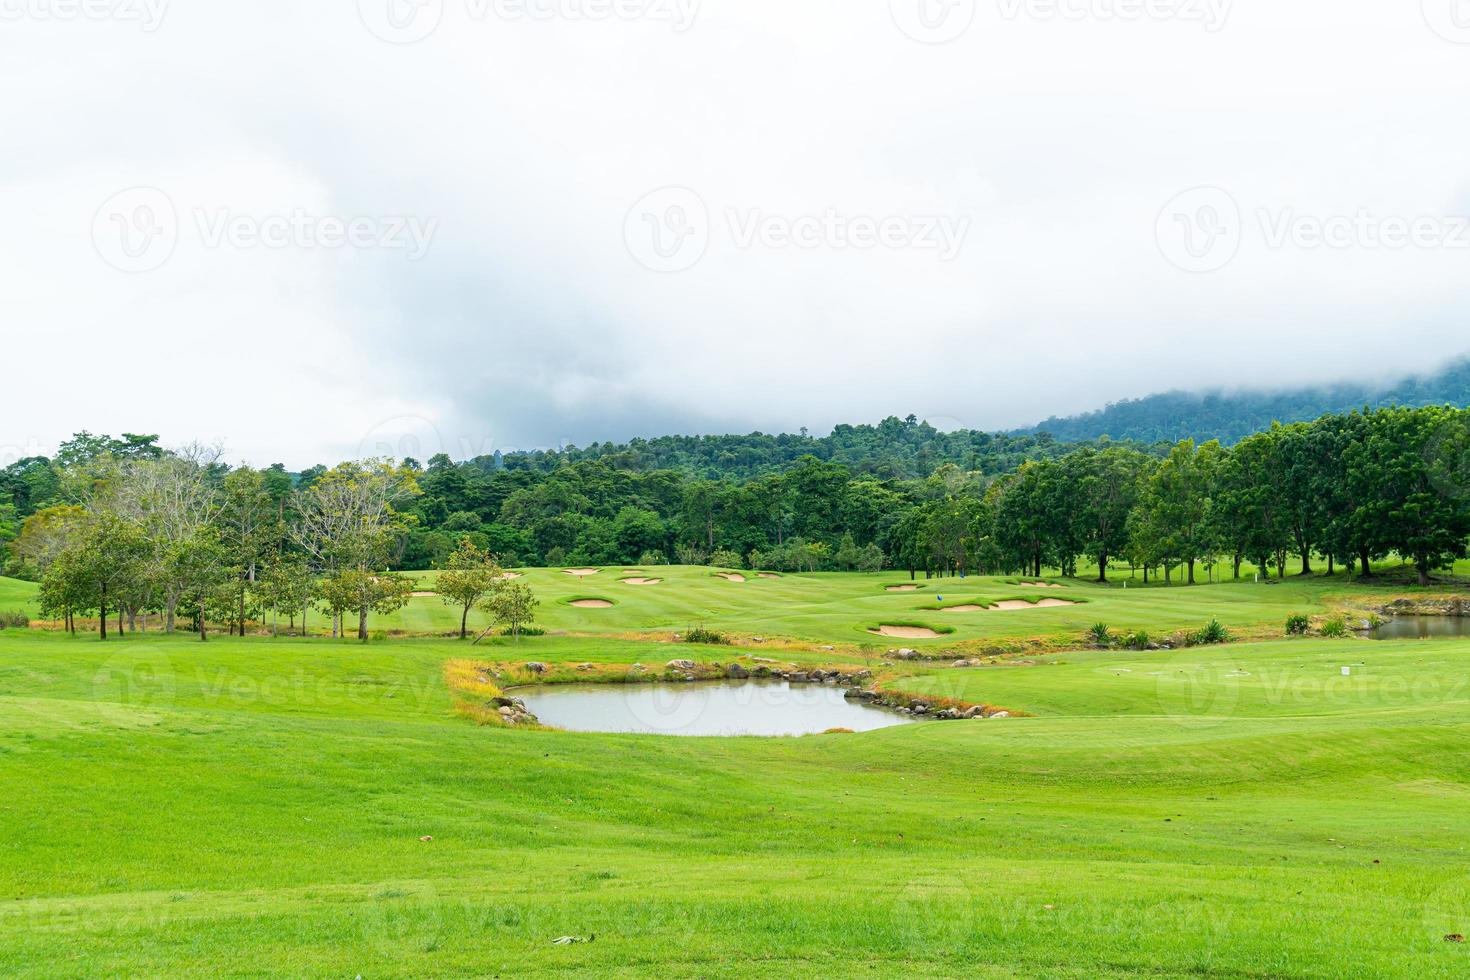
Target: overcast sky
pixel 322 229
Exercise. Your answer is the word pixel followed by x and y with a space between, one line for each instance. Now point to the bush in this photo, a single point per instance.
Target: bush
pixel 525 631
pixel 1297 625
pixel 14 620
pixel 652 558
pixel 1335 628
pixel 701 635
pixel 1100 635
pixel 725 558
pixel 1212 633
pixel 1138 640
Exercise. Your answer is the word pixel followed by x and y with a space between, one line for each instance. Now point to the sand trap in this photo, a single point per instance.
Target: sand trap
pixel 731 576
pixel 902 588
pixel 1042 585
pixel 768 575
pixel 1023 604
pixel 510 575
pixel 962 609
pixel 580 572
pixel 591 603
pixel 907 632
pixel 641 581
pixel 422 595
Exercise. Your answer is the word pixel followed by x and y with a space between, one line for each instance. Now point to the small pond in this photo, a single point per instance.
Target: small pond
pixel 703 708
pixel 1422 628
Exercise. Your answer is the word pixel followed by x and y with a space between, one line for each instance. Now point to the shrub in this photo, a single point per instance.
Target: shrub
pixel 525 631
pixel 1100 635
pixel 1138 640
pixel 1297 625
pixel 701 635
pixel 14 620
pixel 725 558
pixel 652 558
pixel 1212 633
pixel 1335 628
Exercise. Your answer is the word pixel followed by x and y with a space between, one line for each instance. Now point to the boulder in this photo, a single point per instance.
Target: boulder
pixel 798 677
pixel 680 665
pixel 999 714
pixel 536 668
pixel 737 672
pixel 975 712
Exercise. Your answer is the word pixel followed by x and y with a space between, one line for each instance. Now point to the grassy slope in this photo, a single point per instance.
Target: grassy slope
pixel 248 806
pixel 834 607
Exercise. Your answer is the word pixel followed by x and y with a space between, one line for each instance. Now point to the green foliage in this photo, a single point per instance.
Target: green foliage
pixel 1211 634
pixel 724 558
pixel 14 620
pixel 701 635
pixel 1335 628
pixel 1298 624
pixel 1138 640
pixel 1100 635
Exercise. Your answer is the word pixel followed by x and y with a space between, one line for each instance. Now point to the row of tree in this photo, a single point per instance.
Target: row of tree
pixel 1346 489
pixel 122 525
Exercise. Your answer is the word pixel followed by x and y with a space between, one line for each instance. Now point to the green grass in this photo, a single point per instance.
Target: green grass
pixel 255 807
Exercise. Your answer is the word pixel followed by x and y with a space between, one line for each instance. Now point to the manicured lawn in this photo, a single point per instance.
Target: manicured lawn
pixel 255 807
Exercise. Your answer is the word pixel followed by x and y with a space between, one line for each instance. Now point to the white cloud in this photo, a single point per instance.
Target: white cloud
pixel 1057 140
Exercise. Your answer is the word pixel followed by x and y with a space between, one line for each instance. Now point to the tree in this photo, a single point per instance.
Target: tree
pixel 365 591
pixel 348 521
pixel 96 568
pixel 513 605
pixel 468 576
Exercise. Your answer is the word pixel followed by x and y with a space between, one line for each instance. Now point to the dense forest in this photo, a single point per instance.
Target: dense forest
pixel 123 524
pixel 1231 416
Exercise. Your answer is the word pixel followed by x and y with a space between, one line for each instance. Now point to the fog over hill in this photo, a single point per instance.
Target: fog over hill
pixel 1231 415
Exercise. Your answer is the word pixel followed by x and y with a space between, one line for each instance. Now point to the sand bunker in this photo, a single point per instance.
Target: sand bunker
pixel 907 632
pixel 641 581
pixel 1023 604
pixel 768 575
pixel 1042 585
pixel 962 609
pixel 591 603
pixel 731 576
pixel 422 595
pixel 902 588
pixel 580 572
pixel 510 575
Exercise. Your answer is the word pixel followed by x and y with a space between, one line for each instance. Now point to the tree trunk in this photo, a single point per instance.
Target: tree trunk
pixel 1367 565
pixel 1421 565
pixel 102 615
pixel 203 628
pixel 1237 568
pixel 1331 565
pixel 170 604
pixel 1191 571
pixel 362 623
pixel 1307 561
pixel 1102 567
pixel 464 623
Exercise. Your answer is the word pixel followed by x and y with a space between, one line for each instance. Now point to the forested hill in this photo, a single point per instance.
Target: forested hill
pixel 893 449
pixel 1231 416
